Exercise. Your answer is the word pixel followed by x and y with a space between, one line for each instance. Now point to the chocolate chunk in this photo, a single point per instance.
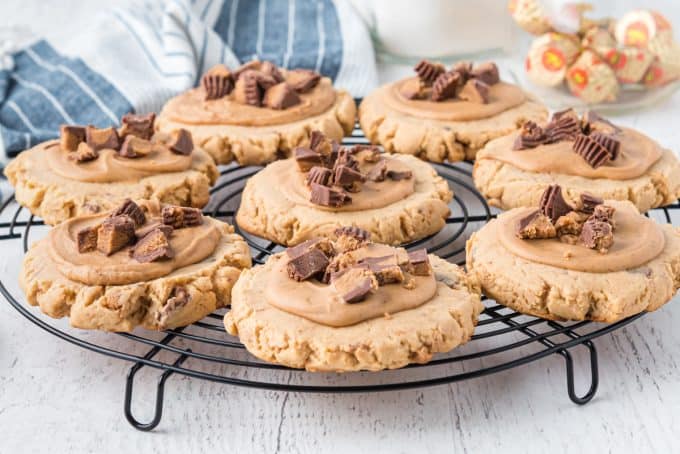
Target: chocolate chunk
pixel 303 80
pixel 355 284
pixel 592 121
pixel 155 245
pixel 603 213
pixel 251 65
pixel 346 158
pixel 536 225
pixel 464 68
pixel 138 125
pixel 85 153
pixel 181 142
pixel 566 113
pixel 552 204
pixel 270 69
pixel 385 269
pixel 309 264
pixel 414 89
pixel 324 196
pixel 86 239
pixel 130 208
pixel 367 153
pixel 265 81
pixel 71 136
pixel 530 136
pixel 350 238
pixel 589 202
pixel 419 262
pixel 487 73
pixel 347 177
pixel 611 144
pixel 179 297
pixel 144 230
pixel 320 175
pixel 593 152
pixel 397 175
pixel 248 90
pixel 99 139
pixel 180 217
pixel 564 127
pixel 217 82
pixel 116 233
pixel 316 139
pixel 378 172
pixel 322 244
pixel 307 158
pixel 135 147
pixel 597 235
pixel 428 71
pixel 571 223
pixel 475 91
pixel 280 96
pixel 446 86
pixel 353 232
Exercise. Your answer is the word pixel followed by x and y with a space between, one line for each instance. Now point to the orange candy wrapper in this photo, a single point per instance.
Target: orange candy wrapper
pixel 549 57
pixel 591 79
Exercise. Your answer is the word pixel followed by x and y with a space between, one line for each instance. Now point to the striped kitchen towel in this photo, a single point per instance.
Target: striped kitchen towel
pixel 136 59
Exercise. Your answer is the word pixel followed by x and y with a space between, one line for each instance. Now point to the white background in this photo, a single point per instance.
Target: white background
pixel 55 397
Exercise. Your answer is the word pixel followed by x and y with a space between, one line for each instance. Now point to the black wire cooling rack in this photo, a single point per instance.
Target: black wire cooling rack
pixel 504 339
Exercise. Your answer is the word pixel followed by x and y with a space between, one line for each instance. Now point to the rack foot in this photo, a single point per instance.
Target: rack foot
pixel 594 375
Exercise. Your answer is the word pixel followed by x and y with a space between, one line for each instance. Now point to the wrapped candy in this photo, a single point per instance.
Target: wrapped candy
pixel 591 79
pixel 638 28
pixel 530 16
pixel 630 64
pixel 549 57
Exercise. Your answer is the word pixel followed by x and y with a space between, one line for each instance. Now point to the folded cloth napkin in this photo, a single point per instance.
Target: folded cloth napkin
pixel 134 59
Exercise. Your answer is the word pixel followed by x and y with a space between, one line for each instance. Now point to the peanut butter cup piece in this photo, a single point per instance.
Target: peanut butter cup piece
pixel 179 297
pixel 571 223
pixel 603 213
pixel 328 197
pixel 71 136
pixel 303 80
pixel 589 202
pixel 349 238
pixel 131 209
pixel 271 70
pixel 248 90
pixel 135 147
pixel 86 239
pixel 428 71
pixel 181 217
pixel 564 127
pixel 475 91
pixel 280 96
pixel 592 151
pixel 100 138
pixel 398 175
pixel 536 225
pixel 346 158
pixel 597 235
pixel 446 86
pixel 85 153
pixel 115 233
pixel 145 229
pixel 419 262
pixel 592 121
pixel 218 82
pixel 355 284
pixel 138 125
pixel 306 265
pixel 486 72
pixel 255 65
pixel 347 177
pixel 378 172
pixel 414 89
pixel 530 136
pixel 385 269
pixel 306 158
pixel 367 153
pixel 320 175
pixel 607 141
pixel 552 203
pixel 464 68
pixel 181 142
pixel 154 246
pixel 322 244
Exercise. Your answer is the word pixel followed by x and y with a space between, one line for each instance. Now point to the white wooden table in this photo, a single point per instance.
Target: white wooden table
pixel 57 398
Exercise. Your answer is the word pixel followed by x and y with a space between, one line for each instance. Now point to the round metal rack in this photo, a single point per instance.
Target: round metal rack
pixel 504 339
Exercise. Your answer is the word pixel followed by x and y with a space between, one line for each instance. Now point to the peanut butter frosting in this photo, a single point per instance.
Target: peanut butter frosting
pixel 192 108
pixel 324 304
pixel 190 245
pixel 637 240
pixel 637 154
pixel 501 97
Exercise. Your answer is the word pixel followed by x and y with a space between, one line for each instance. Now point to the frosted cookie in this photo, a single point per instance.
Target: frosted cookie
pixel 259 112
pixel 446 115
pixel 597 260
pixel 580 154
pixel 397 198
pixel 90 170
pixel 348 304
pixel 158 267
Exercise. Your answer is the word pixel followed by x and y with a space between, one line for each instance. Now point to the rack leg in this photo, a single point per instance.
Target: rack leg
pixel 594 375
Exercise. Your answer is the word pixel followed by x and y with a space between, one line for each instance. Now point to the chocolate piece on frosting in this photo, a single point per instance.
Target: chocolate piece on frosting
pixel 135 147
pixel 280 96
pixel 604 213
pixel 86 239
pixel 571 223
pixel 155 245
pixel 303 80
pixel 535 225
pixel 378 172
pixel 346 158
pixel 320 175
pixel 251 65
pixel 355 284
pixel 71 136
pixel 530 136
pixel 419 262
pixel 322 244
pixel 552 203
pixel 386 269
pixel 592 121
pixel 566 113
pixel 464 68
pixel 589 202
pixel 316 139
pixel 180 217
pixel 271 70
pixel 475 91
pixel 487 73
pixel 99 139
pixel 115 233
pixel 309 264
pixel 414 89
pixel 85 153
pixel 144 230
pixel 131 209
pixel 248 90
pixel 347 177
pixel 324 196
pixel 138 125
pixel 446 86
pixel 181 142
pixel 607 141
pixel 592 151
pixel 217 82
pixel 563 127
pixel 367 153
pixel 428 71
pixel 397 175
pixel 597 235
pixel 307 158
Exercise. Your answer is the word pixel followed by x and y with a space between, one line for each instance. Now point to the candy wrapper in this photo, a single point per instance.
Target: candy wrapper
pixel 630 64
pixel 530 16
pixel 639 27
pixel 549 57
pixel 591 79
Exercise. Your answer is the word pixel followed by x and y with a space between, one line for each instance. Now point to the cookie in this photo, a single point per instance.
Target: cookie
pixel 157 267
pixel 450 118
pixel 259 112
pixel 644 173
pixel 382 309
pixel 599 266
pixel 90 170
pixel 397 198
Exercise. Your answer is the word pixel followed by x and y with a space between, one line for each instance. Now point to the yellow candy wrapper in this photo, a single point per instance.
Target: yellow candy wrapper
pixel 530 16
pixel 591 79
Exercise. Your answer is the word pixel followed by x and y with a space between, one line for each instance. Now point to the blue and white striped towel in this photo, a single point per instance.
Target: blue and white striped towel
pixel 136 59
